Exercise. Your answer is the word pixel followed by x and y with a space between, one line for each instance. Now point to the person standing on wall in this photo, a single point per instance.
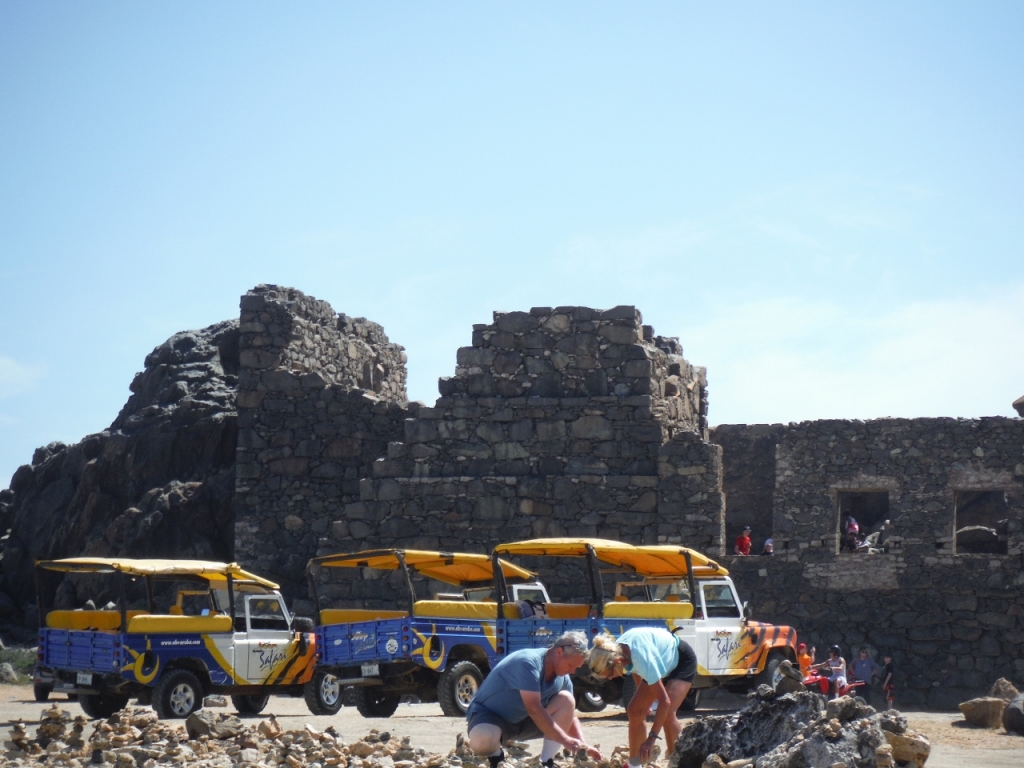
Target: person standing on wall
pixel 743 542
pixel 528 695
pixel 663 667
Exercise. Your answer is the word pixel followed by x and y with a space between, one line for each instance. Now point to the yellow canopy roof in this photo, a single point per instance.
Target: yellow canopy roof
pixel 205 569
pixel 456 568
pixel 654 560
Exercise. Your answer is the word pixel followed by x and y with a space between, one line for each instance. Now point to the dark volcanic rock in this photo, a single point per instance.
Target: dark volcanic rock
pixel 158 483
pixel 766 721
pixel 794 730
pixel 1013 715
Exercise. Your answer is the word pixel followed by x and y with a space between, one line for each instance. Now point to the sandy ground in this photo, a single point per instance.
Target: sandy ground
pixel 954 743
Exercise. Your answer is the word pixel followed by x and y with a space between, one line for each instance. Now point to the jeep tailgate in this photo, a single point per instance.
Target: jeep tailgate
pixel 80 650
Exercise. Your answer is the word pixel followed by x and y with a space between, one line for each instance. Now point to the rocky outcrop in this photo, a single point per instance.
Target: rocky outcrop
pixel 158 482
pixel 797 730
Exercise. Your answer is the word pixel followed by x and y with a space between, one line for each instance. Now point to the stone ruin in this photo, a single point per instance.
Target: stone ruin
pixel 558 421
pixel 287 434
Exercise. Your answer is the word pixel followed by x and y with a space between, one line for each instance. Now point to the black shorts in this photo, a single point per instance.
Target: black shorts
pixel 686 669
pixel 522 731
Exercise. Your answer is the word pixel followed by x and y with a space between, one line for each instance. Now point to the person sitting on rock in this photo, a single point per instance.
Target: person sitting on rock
pixel 663 667
pixel 528 695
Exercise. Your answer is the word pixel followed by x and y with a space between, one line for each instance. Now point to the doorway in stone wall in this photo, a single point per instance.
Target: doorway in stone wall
pixel 871 511
pixel 980 521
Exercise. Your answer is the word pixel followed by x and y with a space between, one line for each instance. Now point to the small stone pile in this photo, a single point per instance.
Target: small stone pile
pixel 795 730
pixel 136 738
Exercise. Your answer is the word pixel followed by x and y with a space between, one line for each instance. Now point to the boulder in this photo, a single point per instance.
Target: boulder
pixel 986 712
pixel 7 674
pixel 1013 715
pixel 909 747
pixel 766 721
pixel 1003 689
pixel 213 725
pixel 795 729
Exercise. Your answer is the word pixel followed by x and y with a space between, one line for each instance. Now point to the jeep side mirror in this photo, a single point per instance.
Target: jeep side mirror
pixel 746 610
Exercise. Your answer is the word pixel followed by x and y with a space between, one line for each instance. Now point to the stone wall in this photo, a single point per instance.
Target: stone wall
pixel 319 398
pixel 954 621
pixel 748 478
pixel 557 422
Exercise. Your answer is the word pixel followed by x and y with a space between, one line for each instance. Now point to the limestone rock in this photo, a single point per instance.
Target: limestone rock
pixel 1003 689
pixel 1013 715
pixel 986 712
pixel 216 726
pixel 791 680
pixel 714 761
pixel 909 747
pixel 7 674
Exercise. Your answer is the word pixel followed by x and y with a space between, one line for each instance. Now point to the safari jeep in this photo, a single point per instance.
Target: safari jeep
pixel 668 586
pixel 226 631
pixel 438 649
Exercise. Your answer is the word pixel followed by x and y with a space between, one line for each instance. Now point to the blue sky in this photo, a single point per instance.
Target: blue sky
pixel 823 201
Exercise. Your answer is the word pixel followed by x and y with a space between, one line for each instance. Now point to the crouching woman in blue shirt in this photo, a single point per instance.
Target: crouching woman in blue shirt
pixel 663 667
pixel 528 695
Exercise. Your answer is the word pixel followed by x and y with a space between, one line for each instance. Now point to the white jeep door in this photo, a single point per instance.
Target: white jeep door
pixel 265 644
pixel 720 630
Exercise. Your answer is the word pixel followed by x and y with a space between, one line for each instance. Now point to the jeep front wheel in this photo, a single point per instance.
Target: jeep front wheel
pixel 771 675
pixel 457 687
pixel 178 694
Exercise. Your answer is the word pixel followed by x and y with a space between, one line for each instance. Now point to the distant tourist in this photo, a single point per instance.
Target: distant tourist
pixel 865 668
pixel 836 666
pixel 769 547
pixel 743 542
pixel 804 658
pixel 888 681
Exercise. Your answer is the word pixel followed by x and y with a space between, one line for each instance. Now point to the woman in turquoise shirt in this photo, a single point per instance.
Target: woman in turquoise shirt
pixel 663 667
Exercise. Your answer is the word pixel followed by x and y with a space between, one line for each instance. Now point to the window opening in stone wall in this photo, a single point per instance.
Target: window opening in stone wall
pixel 863 518
pixel 980 520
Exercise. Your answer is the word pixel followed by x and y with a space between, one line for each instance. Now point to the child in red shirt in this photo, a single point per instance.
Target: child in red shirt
pixel 743 542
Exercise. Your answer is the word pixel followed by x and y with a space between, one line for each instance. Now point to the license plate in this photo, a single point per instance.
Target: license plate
pixel 84 678
pixel 370 670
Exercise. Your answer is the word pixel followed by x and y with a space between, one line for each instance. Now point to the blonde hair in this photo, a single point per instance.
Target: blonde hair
pixel 603 653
